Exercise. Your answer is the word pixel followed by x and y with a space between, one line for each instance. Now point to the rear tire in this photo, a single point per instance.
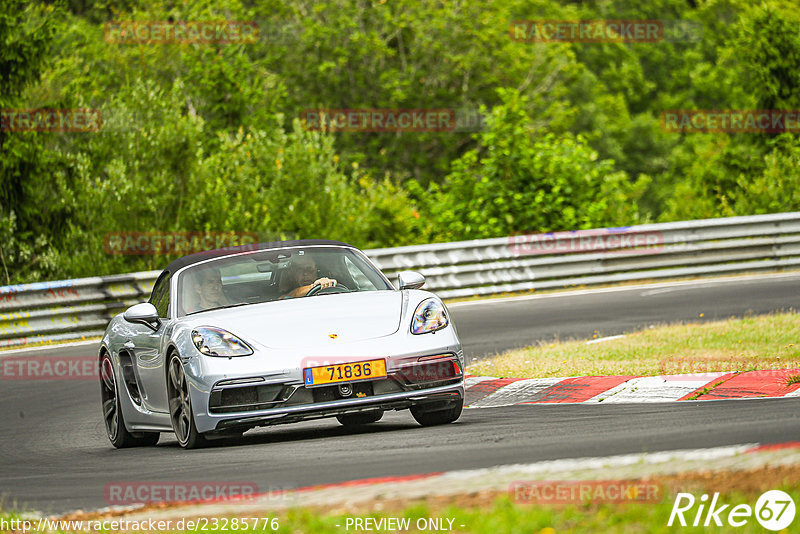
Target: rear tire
pixel 180 406
pixel 117 433
pixel 359 419
pixel 428 417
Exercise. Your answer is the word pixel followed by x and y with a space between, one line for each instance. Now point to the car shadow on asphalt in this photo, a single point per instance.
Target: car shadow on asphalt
pixel 285 434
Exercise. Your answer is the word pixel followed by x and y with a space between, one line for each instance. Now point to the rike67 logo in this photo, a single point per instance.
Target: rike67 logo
pixel 774 510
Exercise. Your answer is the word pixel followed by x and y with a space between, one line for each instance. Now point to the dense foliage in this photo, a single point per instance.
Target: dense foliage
pixel 209 137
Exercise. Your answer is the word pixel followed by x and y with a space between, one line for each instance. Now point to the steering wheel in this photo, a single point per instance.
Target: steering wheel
pixel 318 290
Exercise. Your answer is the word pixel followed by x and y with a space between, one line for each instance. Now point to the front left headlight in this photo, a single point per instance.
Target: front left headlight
pixel 429 316
pixel 218 342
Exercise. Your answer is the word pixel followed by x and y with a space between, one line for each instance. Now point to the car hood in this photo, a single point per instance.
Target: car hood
pixel 313 322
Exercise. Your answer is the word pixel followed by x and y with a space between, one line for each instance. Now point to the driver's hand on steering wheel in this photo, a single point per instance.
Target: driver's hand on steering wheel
pixel 324 282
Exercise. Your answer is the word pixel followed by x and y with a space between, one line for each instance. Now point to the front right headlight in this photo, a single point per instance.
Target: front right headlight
pixel 218 342
pixel 429 316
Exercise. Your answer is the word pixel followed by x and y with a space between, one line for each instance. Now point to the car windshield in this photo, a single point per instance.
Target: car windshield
pixel 270 275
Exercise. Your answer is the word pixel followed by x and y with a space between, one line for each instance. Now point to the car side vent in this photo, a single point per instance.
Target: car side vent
pixel 129 377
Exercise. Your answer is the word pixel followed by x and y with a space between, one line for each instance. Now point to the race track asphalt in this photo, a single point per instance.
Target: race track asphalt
pixel 55 457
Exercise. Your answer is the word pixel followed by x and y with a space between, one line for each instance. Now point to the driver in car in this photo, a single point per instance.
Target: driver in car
pixel 302 272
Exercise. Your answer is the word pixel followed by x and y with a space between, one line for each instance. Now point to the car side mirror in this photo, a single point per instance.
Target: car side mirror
pixel 142 313
pixel 410 280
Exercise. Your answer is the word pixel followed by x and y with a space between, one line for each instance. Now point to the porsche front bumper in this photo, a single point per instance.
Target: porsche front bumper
pixel 440 397
pixel 282 396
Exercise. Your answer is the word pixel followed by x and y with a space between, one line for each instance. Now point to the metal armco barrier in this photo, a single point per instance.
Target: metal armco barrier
pixel 68 309
pixel 82 307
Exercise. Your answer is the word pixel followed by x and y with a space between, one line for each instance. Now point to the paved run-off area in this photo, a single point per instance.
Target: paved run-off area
pixel 628 477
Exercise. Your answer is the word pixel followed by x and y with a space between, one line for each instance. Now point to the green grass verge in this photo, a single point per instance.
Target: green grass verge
pixel 506 517
pixel 503 516
pixel 760 342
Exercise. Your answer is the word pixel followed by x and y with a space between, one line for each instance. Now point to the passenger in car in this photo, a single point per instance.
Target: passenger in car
pixel 207 291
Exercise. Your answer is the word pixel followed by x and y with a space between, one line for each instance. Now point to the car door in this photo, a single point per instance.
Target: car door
pixel 148 347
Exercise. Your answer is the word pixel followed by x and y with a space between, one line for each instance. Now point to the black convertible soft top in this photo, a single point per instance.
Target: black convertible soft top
pixel 205 255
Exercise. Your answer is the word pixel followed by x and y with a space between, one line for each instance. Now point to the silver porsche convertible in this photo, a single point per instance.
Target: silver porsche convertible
pixel 273 333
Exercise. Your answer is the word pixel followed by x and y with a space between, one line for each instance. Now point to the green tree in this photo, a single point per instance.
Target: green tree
pixel 523 180
pixel 27 216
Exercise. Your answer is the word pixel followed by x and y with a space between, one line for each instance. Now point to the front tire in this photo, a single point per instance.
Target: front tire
pixel 180 406
pixel 114 421
pixel 359 419
pixel 431 417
